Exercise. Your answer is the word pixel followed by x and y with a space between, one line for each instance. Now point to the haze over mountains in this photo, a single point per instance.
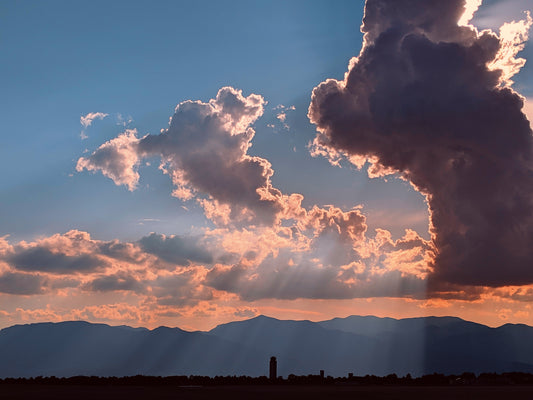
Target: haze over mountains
pixel 360 345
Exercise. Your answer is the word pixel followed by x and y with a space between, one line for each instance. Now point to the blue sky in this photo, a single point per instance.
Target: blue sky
pixel 136 61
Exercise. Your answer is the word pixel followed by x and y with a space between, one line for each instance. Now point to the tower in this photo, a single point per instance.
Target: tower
pixel 273 368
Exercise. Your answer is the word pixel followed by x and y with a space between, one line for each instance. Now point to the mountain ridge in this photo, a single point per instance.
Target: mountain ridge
pixel 355 344
pixel 275 319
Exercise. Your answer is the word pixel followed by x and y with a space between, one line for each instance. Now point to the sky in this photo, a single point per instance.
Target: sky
pixel 193 163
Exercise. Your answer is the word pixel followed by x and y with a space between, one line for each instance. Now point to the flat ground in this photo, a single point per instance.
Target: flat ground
pixel 16 391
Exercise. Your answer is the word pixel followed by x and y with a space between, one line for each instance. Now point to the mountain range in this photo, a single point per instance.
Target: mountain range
pixel 358 344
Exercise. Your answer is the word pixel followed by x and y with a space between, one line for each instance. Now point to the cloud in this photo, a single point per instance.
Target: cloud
pixel 88 119
pixel 204 151
pixel 123 312
pixel 117 159
pixel 182 288
pixel 177 250
pixel 322 253
pixel 116 282
pixel 420 99
pixel 74 252
pixel 513 36
pixel 281 115
pixel 43 259
pixel 69 253
pixel 164 269
pixel 279 278
pixel 496 13
pixel 124 121
pixel 423 101
pixel 123 251
pixel 528 108
pixel 470 7
pixel 266 242
pixel 21 283
pixel 326 256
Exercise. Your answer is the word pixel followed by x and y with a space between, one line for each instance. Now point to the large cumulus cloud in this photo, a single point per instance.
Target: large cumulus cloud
pixel 204 151
pixel 430 99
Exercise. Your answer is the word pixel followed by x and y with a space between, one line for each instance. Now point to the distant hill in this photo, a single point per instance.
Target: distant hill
pixel 361 345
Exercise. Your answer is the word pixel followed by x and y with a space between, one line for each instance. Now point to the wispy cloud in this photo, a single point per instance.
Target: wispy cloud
pixel 281 115
pixel 88 119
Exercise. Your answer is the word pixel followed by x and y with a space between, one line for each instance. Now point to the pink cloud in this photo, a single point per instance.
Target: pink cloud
pixel 117 159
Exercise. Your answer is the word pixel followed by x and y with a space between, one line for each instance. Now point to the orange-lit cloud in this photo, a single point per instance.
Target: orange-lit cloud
pixel 116 159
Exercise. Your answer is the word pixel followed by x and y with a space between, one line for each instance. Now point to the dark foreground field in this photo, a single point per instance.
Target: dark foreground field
pixel 35 391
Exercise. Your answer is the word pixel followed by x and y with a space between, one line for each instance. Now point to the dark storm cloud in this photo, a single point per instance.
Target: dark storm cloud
pixel 421 100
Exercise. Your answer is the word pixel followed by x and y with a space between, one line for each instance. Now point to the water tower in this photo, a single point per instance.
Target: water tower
pixel 273 368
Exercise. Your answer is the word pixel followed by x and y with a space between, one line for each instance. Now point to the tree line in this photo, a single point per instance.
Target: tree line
pixel 436 379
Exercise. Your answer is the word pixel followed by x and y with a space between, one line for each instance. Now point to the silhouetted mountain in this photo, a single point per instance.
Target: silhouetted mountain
pixel 303 347
pixel 370 325
pixel 445 344
pixel 361 345
pixel 81 348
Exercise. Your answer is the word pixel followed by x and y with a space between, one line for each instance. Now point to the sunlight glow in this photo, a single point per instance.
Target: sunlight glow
pixel 513 37
pixel 471 7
